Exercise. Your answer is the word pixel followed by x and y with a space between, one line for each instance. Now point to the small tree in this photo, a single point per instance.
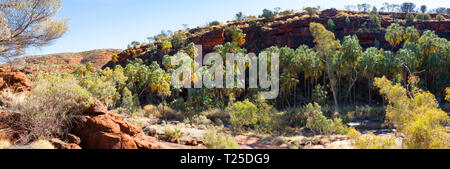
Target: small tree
pixel 409 18
pixel 407 7
pixel 331 25
pixel 374 21
pixel 268 14
pixel 423 8
pixel 239 16
pixel 319 95
pixel 326 46
pixel 347 21
pixel 311 11
pixel 243 113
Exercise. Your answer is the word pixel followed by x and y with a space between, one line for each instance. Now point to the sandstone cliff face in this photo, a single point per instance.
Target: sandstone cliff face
pixel 293 30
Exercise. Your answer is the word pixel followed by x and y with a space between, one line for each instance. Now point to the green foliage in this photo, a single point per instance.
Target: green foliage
pixel 409 18
pixel 394 34
pixel 440 17
pixel 319 95
pixel 311 11
pixel 239 16
pixel 331 25
pixel 348 21
pixel 243 113
pixel 318 123
pixel 236 34
pixel 166 45
pixel 423 17
pixel 447 97
pixel 104 84
pixel 129 101
pixel 326 47
pixel 214 23
pixel 177 40
pixel 215 140
pixel 268 118
pixel 286 12
pixel 371 141
pixel 423 8
pixel 52 105
pixel 173 134
pixel 407 7
pixel 144 80
pixel 268 14
pixel 411 34
pixel 416 114
pixel 374 23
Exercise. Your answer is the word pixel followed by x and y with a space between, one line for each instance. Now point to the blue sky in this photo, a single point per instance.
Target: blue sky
pixel 104 24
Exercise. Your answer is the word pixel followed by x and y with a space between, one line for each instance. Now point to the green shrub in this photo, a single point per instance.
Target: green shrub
pixel 371 141
pixel 243 113
pixel 319 95
pixel 104 84
pixel 318 123
pixel 214 140
pixel 294 117
pixel 177 40
pixel 217 114
pixel 423 17
pixel 268 14
pixel 129 101
pixel 374 23
pixel 416 114
pixel 311 11
pixel 440 17
pixel 286 12
pixel 330 25
pixel 214 23
pixel 173 134
pixel 199 120
pixel 269 119
pixel 409 18
pixel 347 21
pixel 53 105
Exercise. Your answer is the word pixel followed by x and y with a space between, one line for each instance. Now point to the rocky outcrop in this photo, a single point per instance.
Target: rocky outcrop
pixel 15 81
pixel 99 129
pixel 58 144
pixel 15 127
pixel 95 129
pixel 292 31
pixel 63 61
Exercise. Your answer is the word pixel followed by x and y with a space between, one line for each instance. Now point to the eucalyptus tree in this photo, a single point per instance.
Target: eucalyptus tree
pixel 28 23
pixel 351 50
pixel 326 47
